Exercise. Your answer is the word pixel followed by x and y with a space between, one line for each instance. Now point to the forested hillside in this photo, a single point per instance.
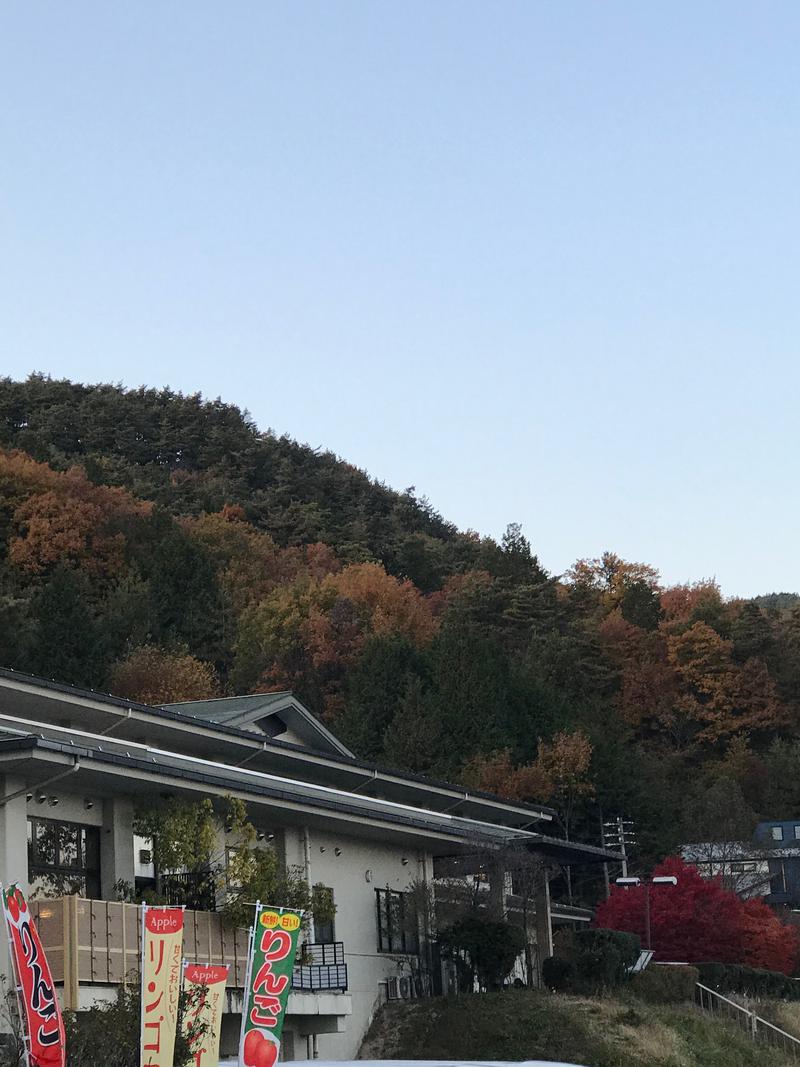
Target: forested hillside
pixel 161 547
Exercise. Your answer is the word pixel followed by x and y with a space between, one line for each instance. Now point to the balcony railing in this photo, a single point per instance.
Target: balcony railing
pixel 190 890
pixel 322 967
pixel 98 942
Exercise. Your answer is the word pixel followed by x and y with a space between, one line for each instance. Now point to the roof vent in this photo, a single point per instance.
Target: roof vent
pixel 272 725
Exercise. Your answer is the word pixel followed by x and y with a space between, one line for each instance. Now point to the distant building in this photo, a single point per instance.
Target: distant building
pixel 768 866
pixel 781 842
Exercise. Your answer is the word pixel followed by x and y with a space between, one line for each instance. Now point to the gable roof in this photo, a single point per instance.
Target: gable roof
pixel 28 703
pixel 271 714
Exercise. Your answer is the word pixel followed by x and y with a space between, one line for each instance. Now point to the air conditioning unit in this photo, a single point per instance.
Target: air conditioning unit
pixel 393 988
pixel 406 988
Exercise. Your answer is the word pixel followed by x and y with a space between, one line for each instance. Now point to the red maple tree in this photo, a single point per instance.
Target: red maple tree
pixel 699 921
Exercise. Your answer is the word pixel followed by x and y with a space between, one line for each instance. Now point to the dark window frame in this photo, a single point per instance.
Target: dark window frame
pixel 325 932
pixel 397 933
pixel 82 875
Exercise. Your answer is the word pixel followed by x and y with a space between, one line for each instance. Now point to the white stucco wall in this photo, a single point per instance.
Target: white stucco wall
pixel 356 917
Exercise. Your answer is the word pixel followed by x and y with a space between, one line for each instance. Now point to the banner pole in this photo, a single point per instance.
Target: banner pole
pixel 247 975
pixel 141 988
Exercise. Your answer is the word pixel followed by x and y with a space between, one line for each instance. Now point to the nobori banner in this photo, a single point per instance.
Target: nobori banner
pixel 269 980
pixel 162 943
pixel 205 985
pixel 44 1027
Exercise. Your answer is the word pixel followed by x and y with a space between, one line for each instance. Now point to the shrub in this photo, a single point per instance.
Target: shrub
pixel 602 958
pixel 559 973
pixel 490 947
pixel 737 978
pixel 665 985
pixel 108 1034
pixel 627 945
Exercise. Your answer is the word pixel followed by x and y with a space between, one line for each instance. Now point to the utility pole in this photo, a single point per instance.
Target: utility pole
pixel 628 883
pixel 620 835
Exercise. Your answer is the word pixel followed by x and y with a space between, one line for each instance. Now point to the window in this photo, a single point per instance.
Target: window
pixel 777 877
pixel 777 833
pixel 397 922
pixel 63 857
pixel 797 832
pixel 325 932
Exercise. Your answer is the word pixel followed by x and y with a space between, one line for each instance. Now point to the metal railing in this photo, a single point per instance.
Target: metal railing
pixel 194 890
pixel 759 1029
pixel 323 954
pixel 321 967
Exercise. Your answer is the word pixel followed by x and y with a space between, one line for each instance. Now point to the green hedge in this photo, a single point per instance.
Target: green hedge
pixel 598 959
pixel 737 978
pixel 626 945
pixel 603 958
pixel 665 985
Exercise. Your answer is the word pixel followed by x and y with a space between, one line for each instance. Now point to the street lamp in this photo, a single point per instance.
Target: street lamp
pixel 663 879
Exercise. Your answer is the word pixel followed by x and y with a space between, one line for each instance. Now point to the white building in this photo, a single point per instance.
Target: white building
pixel 74 764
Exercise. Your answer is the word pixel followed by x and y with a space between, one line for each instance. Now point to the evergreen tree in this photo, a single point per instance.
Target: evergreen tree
pixel 413 740
pixel 65 631
pixel 751 633
pixel 374 692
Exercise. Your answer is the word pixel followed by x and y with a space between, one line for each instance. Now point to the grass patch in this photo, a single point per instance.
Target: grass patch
pixel 597 1032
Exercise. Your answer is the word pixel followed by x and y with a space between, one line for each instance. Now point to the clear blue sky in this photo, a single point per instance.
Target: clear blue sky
pixel 539 259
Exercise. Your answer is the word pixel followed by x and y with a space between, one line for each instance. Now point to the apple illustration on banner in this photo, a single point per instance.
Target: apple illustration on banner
pixel 260 1050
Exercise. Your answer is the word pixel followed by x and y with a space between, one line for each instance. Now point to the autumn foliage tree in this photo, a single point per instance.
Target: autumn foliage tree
pixel 560 773
pixel 231 560
pixel 156 676
pixel 699 921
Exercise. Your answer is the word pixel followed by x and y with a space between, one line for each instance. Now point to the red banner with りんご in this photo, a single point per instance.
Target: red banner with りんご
pixel 44 1026
pixel 162 941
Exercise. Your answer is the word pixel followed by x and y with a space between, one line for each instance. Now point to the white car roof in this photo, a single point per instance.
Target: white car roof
pixel 420 1063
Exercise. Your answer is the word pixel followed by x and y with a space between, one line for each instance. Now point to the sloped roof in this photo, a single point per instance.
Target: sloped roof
pixel 270 713
pixel 28 702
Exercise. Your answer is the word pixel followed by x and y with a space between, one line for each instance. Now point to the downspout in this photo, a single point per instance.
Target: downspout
pixel 367 781
pixel 118 722
pixel 40 785
pixel 252 755
pixel 307 865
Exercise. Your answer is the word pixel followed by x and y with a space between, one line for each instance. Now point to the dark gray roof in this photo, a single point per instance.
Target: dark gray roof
pixel 195 773
pixel 261 709
pixel 461 796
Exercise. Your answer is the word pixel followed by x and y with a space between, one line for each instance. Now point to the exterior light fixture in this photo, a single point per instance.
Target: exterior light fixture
pixel 88 804
pixel 337 852
pixel 628 883
pixel 404 861
pixel 41 798
pixel 28 798
pixel 52 801
pixel 322 848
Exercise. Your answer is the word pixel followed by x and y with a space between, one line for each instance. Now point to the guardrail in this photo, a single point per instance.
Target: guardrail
pixel 717 1004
